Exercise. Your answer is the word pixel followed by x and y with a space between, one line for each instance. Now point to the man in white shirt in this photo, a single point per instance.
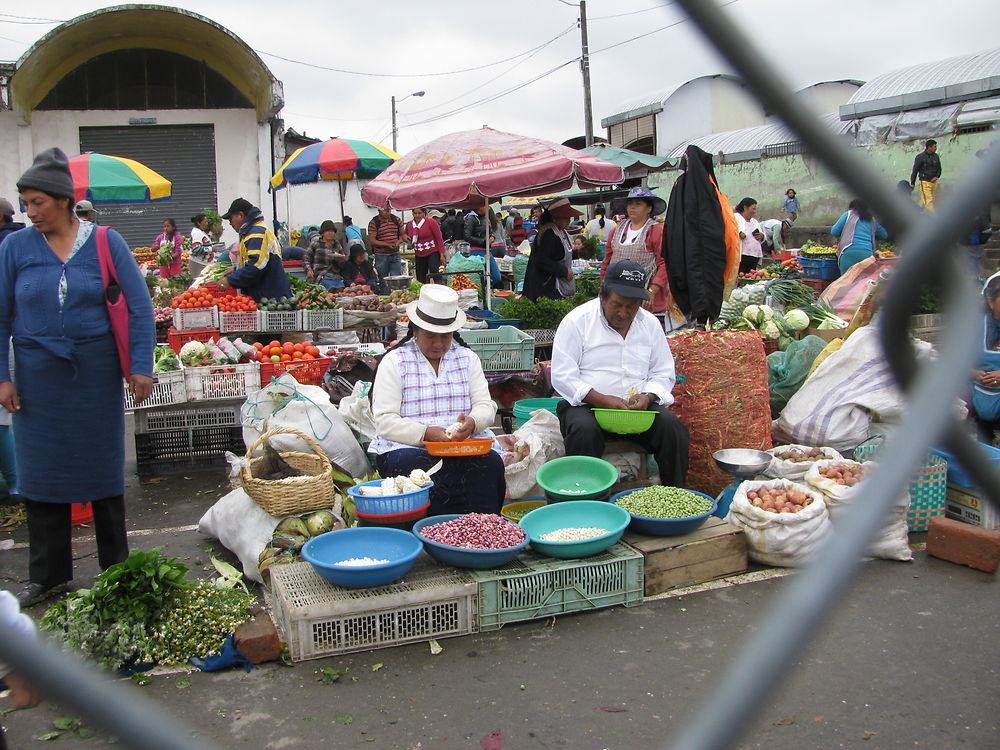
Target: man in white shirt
pixel 774 234
pixel 609 353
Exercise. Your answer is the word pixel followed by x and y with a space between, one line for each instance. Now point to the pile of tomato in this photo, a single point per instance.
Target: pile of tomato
pixel 236 303
pixel 286 352
pixel 195 297
pixel 207 297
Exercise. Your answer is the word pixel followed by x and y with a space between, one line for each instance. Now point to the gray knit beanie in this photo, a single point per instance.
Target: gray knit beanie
pixel 49 173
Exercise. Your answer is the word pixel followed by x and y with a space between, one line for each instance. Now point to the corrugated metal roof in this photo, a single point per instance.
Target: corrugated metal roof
pixel 753 139
pixel 931 75
pixel 654 101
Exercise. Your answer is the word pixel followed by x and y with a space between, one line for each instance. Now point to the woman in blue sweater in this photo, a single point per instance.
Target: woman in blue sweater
pixel 859 234
pixel 66 398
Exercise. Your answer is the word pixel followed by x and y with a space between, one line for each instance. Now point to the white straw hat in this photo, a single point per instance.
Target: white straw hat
pixel 436 309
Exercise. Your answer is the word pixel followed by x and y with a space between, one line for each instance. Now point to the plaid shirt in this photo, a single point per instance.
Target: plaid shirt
pixel 321 258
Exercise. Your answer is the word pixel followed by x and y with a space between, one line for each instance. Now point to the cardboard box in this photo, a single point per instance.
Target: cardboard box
pixel 968 504
pixel 826 335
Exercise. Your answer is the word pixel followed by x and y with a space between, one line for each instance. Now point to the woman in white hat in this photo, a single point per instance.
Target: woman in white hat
pixel 431 387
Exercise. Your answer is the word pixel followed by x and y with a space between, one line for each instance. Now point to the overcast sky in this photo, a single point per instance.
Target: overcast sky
pixel 812 41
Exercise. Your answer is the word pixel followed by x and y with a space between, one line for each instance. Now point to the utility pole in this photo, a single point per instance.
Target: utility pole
pixel 588 116
pixel 393 122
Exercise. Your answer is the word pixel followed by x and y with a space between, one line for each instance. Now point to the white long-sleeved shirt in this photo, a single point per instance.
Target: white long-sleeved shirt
pixel 11 619
pixel 588 354
pixel 387 401
pixel 749 245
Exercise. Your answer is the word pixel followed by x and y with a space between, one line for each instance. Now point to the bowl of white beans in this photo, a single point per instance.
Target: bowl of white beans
pixel 576 528
pixel 362 557
pixel 665 511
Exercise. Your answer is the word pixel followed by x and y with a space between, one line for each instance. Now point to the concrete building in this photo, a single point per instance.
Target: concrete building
pixel 165 86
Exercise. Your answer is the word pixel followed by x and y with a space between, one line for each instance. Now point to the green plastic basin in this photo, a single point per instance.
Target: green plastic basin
pixel 576 514
pixel 576 477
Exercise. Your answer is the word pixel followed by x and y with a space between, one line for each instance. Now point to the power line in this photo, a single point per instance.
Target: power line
pixel 650 33
pixel 631 13
pixel 31 18
pixel 409 75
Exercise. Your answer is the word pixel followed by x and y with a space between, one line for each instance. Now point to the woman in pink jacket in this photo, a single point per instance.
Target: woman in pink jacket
pixel 172 236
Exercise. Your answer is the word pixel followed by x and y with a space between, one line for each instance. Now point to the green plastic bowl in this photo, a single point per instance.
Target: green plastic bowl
pixel 523 408
pixel 624 421
pixel 580 513
pixel 588 477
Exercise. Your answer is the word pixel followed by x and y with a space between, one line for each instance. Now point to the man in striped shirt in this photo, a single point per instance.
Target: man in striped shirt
pixel 385 232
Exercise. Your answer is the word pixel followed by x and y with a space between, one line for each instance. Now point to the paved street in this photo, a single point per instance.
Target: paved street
pixel 910 659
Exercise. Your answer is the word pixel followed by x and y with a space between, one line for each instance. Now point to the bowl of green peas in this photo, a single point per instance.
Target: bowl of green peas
pixel 665 511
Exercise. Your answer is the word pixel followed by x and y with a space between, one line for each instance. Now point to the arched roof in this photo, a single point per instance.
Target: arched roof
pixel 751 141
pixel 654 101
pixel 143 26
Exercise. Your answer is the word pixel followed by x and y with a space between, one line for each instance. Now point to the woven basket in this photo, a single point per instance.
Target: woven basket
pixel 927 490
pixel 284 497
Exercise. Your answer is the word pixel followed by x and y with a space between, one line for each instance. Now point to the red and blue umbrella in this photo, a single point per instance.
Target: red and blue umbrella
pixel 100 178
pixel 335 159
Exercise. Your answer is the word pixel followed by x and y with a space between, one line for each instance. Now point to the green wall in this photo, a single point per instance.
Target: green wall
pixel 823 199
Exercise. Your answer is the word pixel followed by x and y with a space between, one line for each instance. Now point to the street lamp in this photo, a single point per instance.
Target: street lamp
pixel 415 93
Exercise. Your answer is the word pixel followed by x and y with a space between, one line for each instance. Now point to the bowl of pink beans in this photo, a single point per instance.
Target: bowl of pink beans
pixel 480 541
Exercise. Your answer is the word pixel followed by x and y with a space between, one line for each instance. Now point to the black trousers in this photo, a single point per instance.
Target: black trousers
pixel 667 440
pixel 748 263
pixel 427 264
pixel 50 556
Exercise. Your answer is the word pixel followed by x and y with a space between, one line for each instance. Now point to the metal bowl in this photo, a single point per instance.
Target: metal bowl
pixel 742 462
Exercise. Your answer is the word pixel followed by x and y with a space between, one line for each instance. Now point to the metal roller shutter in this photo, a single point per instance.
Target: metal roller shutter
pixel 184 154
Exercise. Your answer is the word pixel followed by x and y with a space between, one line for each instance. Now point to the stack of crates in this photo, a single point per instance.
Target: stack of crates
pixel 192 435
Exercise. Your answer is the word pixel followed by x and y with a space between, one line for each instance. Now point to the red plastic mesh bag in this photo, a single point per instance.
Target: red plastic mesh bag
pixel 724 401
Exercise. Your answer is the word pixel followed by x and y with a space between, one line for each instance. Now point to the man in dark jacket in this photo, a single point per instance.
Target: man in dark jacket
pixel 927 168
pixel 448 226
pixel 7 223
pixel 259 272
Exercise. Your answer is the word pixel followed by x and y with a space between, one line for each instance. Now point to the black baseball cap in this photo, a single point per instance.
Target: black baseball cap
pixel 238 206
pixel 627 279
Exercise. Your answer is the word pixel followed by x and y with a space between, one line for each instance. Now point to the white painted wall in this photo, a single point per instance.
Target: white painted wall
pixel 242 146
pixel 299 205
pixel 828 96
pixel 703 106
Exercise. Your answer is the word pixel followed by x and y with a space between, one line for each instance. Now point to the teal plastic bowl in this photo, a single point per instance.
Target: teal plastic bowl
pixel 576 478
pixel 580 513
pixel 523 408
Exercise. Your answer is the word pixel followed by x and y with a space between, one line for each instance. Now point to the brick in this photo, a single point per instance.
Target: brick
pixel 964 544
pixel 257 639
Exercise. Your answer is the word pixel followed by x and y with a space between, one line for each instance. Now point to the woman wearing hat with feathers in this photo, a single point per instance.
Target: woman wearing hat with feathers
pixel 69 421
pixel 431 387
pixel 640 238
pixel 550 265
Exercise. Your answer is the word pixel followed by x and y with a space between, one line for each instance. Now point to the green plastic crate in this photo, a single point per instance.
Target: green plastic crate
pixel 534 586
pixel 502 349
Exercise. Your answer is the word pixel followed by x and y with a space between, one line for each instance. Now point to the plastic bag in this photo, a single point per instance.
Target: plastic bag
pixel 473 265
pixel 356 410
pixel 788 370
pixel 846 293
pixel 285 402
pixel 782 469
pixel 892 541
pixel 538 441
pixel 785 539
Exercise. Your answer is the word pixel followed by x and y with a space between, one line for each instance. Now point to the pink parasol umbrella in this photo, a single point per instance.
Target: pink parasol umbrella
pixel 464 169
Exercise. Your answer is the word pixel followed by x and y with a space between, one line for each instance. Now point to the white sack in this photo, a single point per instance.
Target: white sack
pixel 530 446
pixel 785 539
pixel 782 469
pixel 356 410
pixel 242 526
pixel 837 403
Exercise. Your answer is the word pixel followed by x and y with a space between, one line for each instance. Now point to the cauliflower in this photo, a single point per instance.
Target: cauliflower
pixel 766 312
pixel 797 320
pixel 753 315
pixel 770 330
pixel 193 353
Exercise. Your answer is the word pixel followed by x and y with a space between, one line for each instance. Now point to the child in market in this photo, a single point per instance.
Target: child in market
pixel 791 204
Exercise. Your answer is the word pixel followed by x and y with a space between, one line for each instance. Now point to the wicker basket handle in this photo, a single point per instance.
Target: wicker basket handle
pixel 289 431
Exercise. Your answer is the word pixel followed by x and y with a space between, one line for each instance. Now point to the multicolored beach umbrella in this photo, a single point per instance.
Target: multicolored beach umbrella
pixel 335 159
pixel 100 178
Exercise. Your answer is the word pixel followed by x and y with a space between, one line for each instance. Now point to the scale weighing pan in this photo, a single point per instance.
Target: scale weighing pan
pixel 742 462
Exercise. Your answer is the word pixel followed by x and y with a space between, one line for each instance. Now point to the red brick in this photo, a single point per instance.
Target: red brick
pixel 964 544
pixel 257 639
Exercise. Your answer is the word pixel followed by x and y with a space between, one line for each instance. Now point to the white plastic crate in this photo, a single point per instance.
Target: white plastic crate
pixel 244 320
pixel 542 336
pixel 168 388
pixel 221 381
pixel 196 317
pixel 375 349
pixel 329 320
pixel 317 618
pixel 186 417
pixel 280 320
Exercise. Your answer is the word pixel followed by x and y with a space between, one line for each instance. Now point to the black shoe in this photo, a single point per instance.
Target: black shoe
pixel 35 593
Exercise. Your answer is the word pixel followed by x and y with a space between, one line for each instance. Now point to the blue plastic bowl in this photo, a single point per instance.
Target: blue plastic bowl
pixel 575 514
pixel 382 505
pixel 399 547
pixel 666 526
pixel 461 557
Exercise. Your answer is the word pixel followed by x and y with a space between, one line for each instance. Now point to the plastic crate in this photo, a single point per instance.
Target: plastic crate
pixel 184 417
pixel 492 319
pixel 542 336
pixel 221 381
pixel 817 285
pixel 534 586
pixel 189 446
pixel 329 320
pixel 502 349
pixel 307 372
pixel 819 268
pixel 244 320
pixel 375 349
pixel 168 388
pixel 280 320
pixel 176 339
pixel 196 317
pixel 317 619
